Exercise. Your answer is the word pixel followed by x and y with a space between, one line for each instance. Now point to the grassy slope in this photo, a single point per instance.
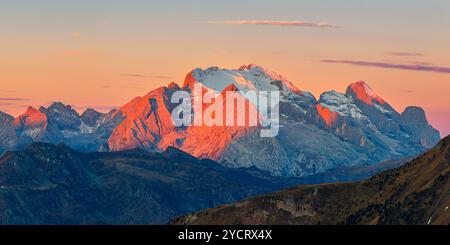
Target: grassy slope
pixel 417 193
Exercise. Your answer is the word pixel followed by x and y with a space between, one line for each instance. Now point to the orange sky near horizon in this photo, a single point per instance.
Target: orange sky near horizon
pixel 82 61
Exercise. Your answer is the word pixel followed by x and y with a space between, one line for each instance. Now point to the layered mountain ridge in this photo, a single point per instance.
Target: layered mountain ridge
pixel 338 130
pixel 417 193
pixel 53 184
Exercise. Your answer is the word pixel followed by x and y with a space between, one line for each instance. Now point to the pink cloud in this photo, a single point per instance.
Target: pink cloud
pixel 143 76
pixel 407 54
pixel 276 23
pixel 416 67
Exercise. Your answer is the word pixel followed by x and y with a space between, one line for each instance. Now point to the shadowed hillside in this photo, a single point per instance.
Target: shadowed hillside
pixel 48 184
pixel 416 193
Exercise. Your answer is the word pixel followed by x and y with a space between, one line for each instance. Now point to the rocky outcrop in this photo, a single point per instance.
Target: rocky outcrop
pixel 415 124
pixel 90 117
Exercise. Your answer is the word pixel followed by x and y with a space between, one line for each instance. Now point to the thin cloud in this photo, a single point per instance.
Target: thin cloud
pixel 276 23
pixel 142 76
pixel 13 99
pixel 417 67
pixel 422 63
pixel 7 104
pixel 405 54
pixel 131 75
pixel 122 87
pixel 12 108
pixel 7 91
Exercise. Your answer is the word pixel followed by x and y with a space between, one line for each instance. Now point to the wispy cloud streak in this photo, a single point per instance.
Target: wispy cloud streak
pixel 275 23
pixel 416 67
pixel 13 99
pixel 142 76
pixel 405 54
pixel 7 90
pixel 122 87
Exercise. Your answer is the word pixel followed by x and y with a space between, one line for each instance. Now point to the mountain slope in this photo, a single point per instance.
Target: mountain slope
pixel 416 193
pixel 48 184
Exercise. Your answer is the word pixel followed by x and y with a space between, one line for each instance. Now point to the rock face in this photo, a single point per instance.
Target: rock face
pixel 48 184
pixel 56 124
pixel 90 117
pixel 339 130
pixel 32 123
pixel 417 193
pixel 415 123
pixel 147 121
pixel 8 137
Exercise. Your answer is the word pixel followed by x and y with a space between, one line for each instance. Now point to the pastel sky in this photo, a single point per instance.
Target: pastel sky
pixel 101 54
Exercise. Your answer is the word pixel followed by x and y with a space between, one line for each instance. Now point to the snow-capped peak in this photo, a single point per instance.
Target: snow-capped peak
pixel 255 69
pixel 364 93
pixel 340 103
pixel 246 78
pixel 250 67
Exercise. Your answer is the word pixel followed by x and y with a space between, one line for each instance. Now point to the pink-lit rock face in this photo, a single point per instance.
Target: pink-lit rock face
pixel 364 93
pixel 210 142
pixel 189 81
pixel 32 118
pixel 149 125
pixel 330 117
pixel 147 120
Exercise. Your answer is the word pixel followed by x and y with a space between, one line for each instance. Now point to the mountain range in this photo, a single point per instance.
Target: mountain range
pixel 338 130
pixel 53 184
pixel 416 193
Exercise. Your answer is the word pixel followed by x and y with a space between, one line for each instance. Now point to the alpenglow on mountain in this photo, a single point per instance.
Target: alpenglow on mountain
pixel 354 128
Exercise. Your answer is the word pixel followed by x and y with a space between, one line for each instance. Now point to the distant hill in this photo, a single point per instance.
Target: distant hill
pixel 48 184
pixel 416 193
